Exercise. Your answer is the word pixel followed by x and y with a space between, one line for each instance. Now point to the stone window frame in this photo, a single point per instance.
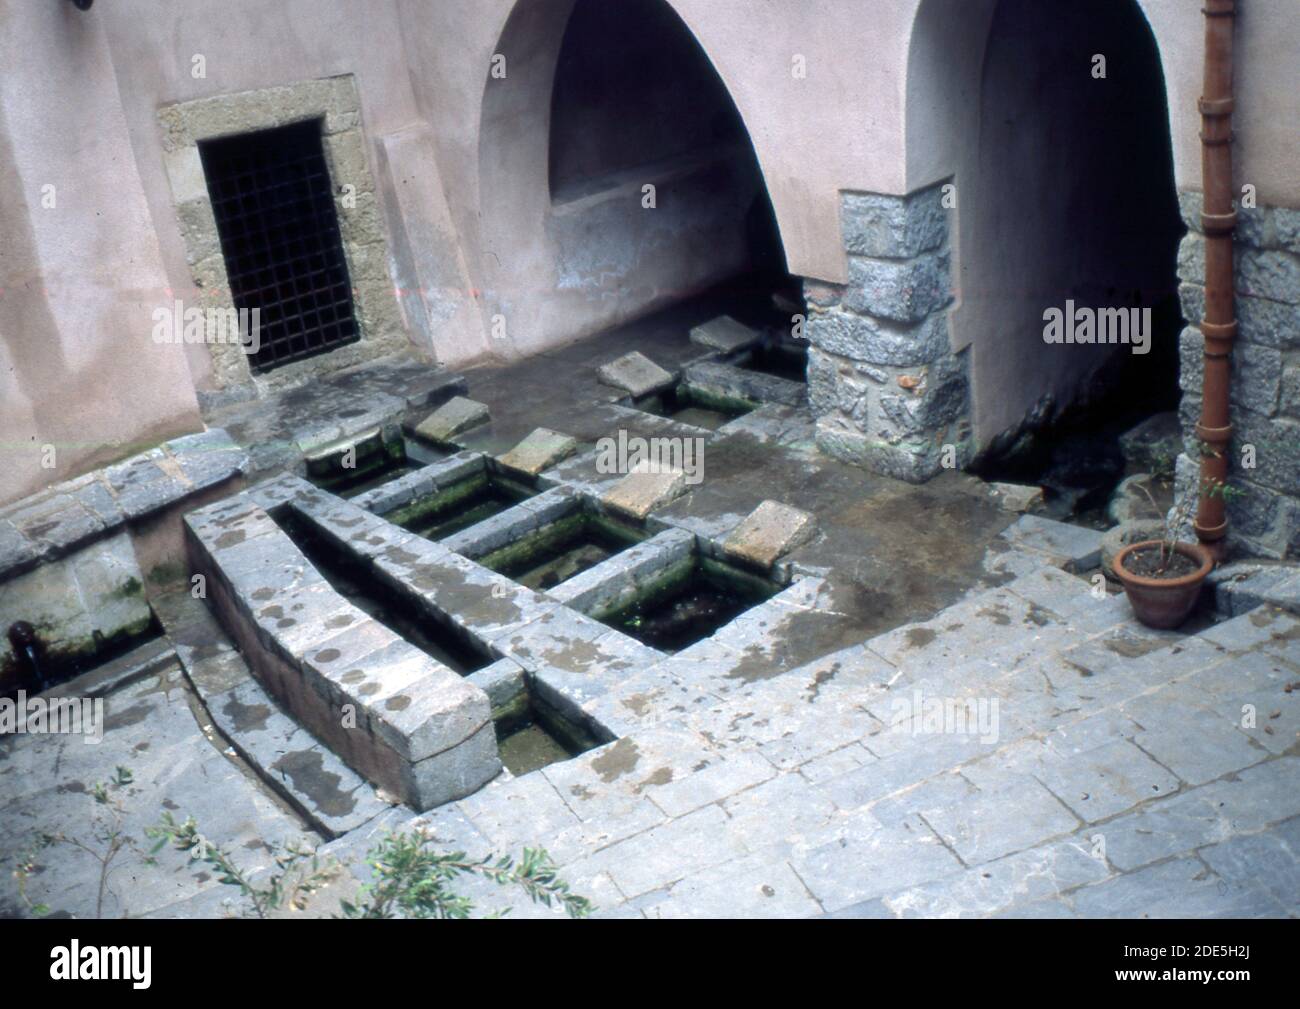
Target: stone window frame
pixel 336 102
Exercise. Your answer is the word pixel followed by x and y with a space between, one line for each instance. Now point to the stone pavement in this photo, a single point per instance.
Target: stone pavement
pixel 938 717
pixel 1104 771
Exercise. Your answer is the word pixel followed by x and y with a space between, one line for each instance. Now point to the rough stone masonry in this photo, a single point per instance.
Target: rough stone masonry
pixel 1265 459
pixel 883 382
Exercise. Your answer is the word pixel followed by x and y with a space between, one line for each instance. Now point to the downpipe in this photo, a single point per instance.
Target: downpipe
pixel 1219 326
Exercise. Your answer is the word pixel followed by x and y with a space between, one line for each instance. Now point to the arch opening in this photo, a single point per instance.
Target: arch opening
pixel 1071 232
pixel 631 182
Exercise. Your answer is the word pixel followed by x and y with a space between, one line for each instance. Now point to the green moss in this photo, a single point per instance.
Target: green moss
pixel 167 573
pixel 513 714
pixel 128 589
pixel 712 399
pixel 661 585
pixel 523 552
pixel 439 502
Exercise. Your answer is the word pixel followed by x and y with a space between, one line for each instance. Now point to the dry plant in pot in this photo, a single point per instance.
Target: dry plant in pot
pixel 1163 578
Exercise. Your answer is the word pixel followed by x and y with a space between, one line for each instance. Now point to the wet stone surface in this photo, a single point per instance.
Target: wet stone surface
pixel 934 718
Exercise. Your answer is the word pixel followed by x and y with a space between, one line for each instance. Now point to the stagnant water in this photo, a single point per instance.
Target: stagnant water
pixel 491 496
pixel 558 552
pixel 691 607
pixel 528 748
pixel 351 578
pixel 686 406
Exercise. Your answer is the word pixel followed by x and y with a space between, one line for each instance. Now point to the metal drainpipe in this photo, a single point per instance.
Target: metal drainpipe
pixel 1218 221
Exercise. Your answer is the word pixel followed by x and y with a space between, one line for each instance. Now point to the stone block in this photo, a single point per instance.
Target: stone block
pixel 1269 274
pixel 902 290
pixel 635 373
pixel 894 227
pixel 770 530
pixel 1016 497
pixel 454 773
pixel 539 451
pixel 879 342
pixel 454 416
pixel 641 491
pixel 724 334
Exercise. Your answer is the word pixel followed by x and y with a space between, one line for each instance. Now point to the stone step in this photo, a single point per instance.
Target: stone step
pixel 332 797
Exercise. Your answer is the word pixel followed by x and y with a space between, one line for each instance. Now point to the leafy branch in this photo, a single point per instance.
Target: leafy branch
pixel 108 840
pixel 413 880
pixel 299 872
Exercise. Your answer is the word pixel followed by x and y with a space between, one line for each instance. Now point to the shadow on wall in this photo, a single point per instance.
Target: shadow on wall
pixel 38 388
pixel 600 102
pixel 1068 195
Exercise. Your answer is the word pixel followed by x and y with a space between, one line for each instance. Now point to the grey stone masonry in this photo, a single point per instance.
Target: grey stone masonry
pixel 886 389
pixel 1264 463
pixel 396 716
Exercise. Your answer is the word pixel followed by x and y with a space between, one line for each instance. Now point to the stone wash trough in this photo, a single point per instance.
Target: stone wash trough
pixel 413 670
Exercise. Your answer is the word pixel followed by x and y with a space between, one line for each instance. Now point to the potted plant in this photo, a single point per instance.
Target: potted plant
pixel 1162 578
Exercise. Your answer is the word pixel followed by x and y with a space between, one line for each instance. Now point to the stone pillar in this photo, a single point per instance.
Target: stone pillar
pixel 887 390
pixel 1264 520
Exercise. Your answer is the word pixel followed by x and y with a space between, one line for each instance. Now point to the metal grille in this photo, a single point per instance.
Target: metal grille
pixel 279 229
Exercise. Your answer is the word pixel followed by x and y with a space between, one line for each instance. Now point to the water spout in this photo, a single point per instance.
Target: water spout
pixel 22 636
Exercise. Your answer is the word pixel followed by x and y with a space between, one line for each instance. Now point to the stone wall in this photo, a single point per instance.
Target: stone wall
pixel 883 382
pixel 1265 391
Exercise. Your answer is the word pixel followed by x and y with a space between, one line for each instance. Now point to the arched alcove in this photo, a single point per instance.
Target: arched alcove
pixel 598 102
pixel 1065 185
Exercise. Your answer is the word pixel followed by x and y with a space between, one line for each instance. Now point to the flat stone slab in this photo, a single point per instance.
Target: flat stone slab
pixel 636 374
pixel 458 414
pixel 641 491
pixel 1016 497
pixel 539 451
pixel 724 334
pixel 330 794
pixel 770 530
pixel 1068 546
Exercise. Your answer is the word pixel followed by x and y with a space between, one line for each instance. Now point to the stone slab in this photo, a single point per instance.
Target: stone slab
pixel 641 491
pixel 454 416
pixel 724 334
pixel 541 450
pixel 770 530
pixel 636 374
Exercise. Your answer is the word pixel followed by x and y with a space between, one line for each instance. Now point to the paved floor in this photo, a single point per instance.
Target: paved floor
pixel 951 724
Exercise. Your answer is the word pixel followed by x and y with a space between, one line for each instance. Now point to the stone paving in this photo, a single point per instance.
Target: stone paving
pixel 942 714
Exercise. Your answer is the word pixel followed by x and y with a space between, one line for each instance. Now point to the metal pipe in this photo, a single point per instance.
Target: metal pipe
pixel 1218 221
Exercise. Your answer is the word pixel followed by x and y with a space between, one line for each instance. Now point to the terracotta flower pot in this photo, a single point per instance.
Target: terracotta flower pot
pixel 1163 602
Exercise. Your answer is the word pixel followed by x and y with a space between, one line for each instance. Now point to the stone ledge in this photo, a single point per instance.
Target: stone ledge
pixel 732 382
pixel 614 582
pixel 636 374
pixel 395 715
pixel 68 516
pixel 724 334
